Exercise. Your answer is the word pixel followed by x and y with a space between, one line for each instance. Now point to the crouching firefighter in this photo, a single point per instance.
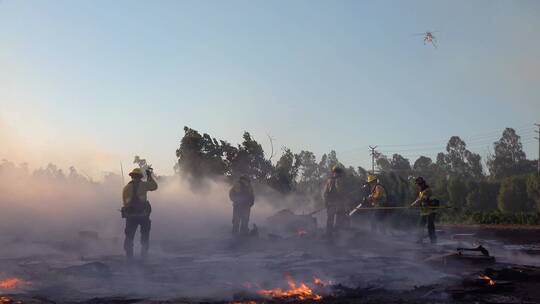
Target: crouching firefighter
pixel 335 202
pixel 428 210
pixel 241 194
pixel 377 198
pixel 136 210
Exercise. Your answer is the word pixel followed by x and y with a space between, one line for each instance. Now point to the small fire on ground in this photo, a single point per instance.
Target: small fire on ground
pixel 11 283
pixel 488 280
pixel 300 292
pixel 6 300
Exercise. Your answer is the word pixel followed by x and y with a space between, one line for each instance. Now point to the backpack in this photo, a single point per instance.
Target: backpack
pixel 137 207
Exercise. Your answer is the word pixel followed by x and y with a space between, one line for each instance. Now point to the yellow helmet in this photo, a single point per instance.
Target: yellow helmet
pixel 371 178
pixel 136 171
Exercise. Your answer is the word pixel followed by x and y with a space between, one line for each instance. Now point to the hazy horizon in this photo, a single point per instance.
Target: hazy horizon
pixel 93 83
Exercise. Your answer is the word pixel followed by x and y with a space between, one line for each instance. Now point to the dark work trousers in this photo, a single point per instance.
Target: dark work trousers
pixel 336 218
pixel 132 223
pixel 240 219
pixel 428 219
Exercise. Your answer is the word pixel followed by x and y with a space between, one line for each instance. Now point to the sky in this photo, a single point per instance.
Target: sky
pixel 93 83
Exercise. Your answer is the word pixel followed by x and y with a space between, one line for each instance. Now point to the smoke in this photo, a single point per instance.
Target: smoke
pixel 49 204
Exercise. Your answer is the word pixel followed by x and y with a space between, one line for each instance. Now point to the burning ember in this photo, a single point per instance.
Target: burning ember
pixel 302 292
pixel 10 283
pixel 6 300
pixel 488 280
pixel 318 282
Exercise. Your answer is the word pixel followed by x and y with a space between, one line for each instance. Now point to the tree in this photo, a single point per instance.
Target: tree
pixel 328 161
pixel 382 162
pixel 457 192
pixel 533 189
pixel 51 172
pixel 440 188
pixel 483 196
pixel 512 196
pixel 424 166
pixel 310 179
pixel 508 158
pixel 400 165
pixel 199 155
pixel 458 161
pixel 286 171
pixel 249 160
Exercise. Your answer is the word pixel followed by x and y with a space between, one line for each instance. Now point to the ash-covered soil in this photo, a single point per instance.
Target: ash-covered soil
pixel 357 267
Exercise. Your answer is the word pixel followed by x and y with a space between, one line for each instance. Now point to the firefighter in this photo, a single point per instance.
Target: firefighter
pixel 427 212
pixel 377 198
pixel 334 199
pixel 241 194
pixel 136 210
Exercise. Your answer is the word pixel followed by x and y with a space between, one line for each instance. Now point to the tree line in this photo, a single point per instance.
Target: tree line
pixel 508 191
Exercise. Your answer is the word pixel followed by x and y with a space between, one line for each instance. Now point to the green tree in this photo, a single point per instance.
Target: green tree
pixel 400 165
pixel 483 196
pixel 512 196
pixel 440 188
pixel 457 192
pixel 249 160
pixel 533 189
pixel 199 155
pixel 310 179
pixel 458 161
pixel 508 157
pixel 286 171
pixel 383 162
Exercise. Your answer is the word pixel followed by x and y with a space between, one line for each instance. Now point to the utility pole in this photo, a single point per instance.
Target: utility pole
pixel 372 159
pixel 538 138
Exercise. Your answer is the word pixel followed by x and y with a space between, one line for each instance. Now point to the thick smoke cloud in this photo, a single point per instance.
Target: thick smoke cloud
pixel 49 204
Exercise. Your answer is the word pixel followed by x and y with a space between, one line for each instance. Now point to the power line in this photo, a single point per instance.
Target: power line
pixel 469 140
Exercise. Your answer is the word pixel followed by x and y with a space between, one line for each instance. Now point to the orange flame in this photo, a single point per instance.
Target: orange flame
pixel 10 283
pixel 302 292
pixel 488 280
pixel 319 282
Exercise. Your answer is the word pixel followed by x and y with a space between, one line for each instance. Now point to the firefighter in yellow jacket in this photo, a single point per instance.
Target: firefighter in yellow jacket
pixel 136 210
pixel 335 202
pixel 427 210
pixel 377 198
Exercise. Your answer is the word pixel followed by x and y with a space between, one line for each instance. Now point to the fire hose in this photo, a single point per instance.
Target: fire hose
pixel 360 208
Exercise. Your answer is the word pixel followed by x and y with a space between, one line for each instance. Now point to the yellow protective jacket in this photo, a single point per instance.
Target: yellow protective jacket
pixel 378 196
pixel 424 199
pixel 143 188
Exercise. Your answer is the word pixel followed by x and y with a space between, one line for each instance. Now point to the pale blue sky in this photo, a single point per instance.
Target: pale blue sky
pixel 124 77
